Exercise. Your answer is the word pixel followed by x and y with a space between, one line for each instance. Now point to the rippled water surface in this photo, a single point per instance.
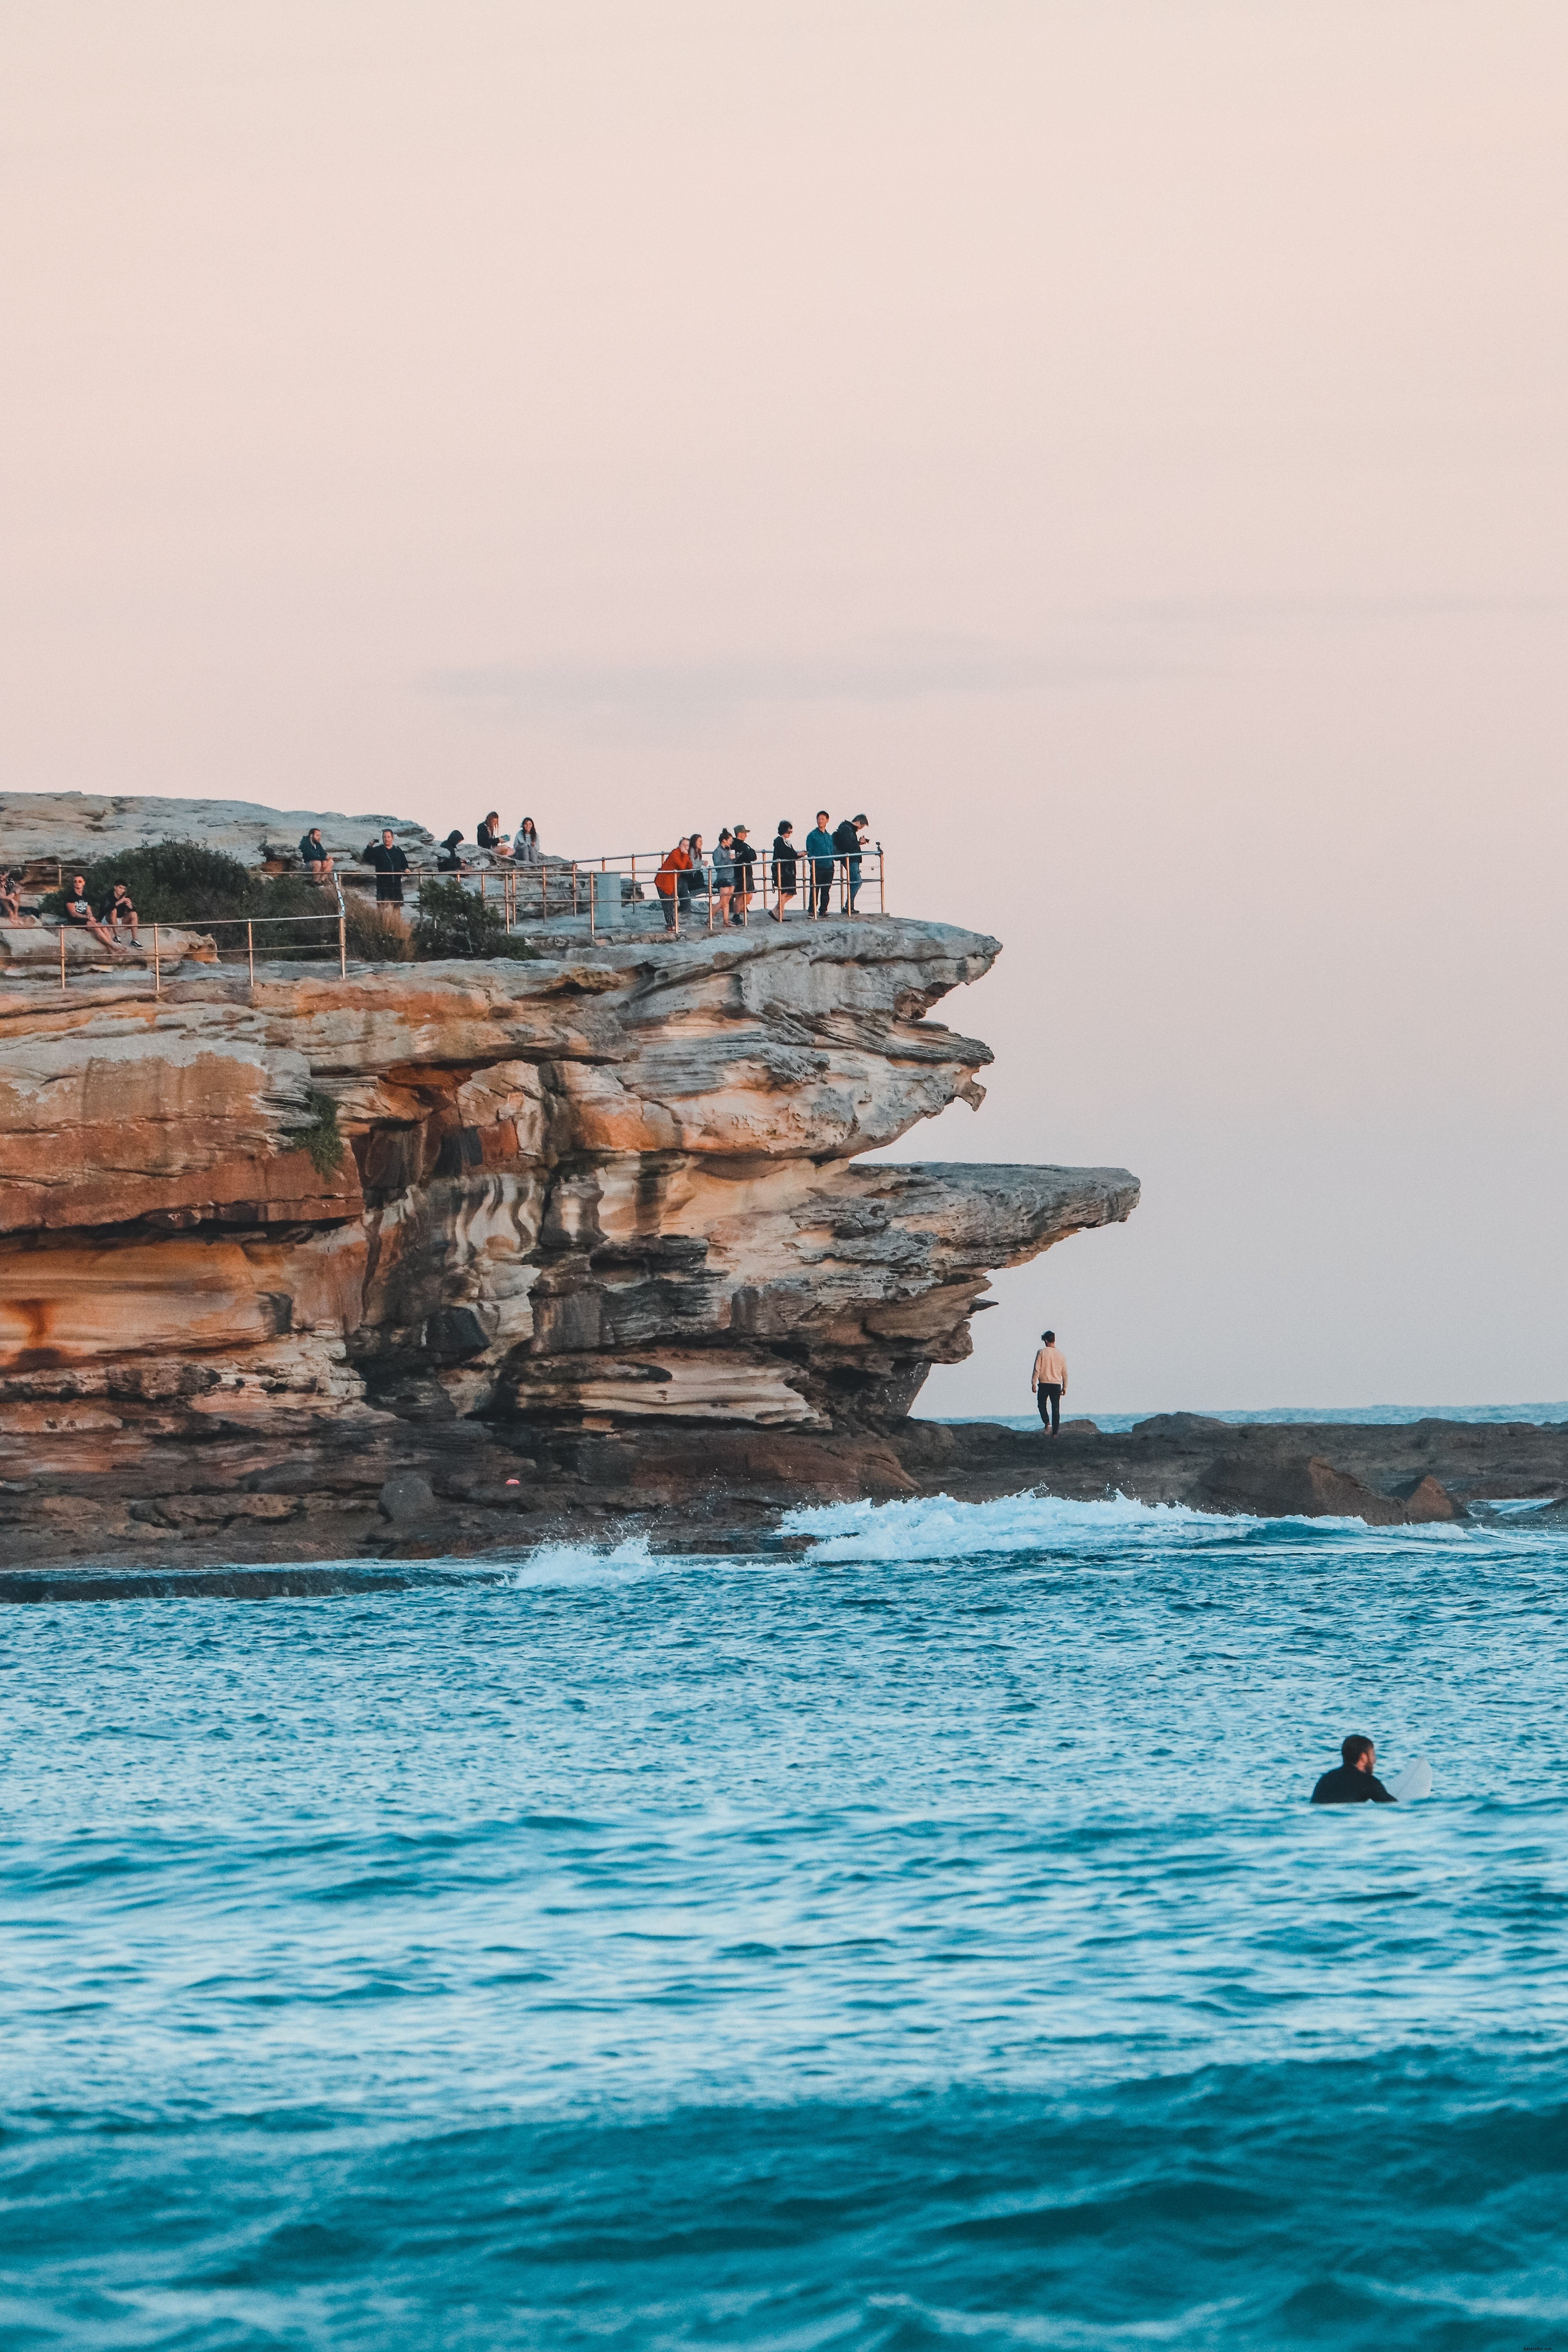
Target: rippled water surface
pixel 920 1939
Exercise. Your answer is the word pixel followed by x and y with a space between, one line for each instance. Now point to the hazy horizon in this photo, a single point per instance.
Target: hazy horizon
pixel 1119 447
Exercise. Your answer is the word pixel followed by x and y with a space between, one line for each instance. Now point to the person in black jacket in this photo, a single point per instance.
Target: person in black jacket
pixel 1353 1782
pixel 783 866
pixel 847 840
pixel 451 858
pixel 745 857
pixel 391 866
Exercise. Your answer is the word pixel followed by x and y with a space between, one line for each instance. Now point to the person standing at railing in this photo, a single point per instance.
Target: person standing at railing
pixel 667 880
pixel 391 866
pixel 525 850
pixel 723 882
pixel 849 839
pixel 690 883
pixel 820 849
pixel 745 858
pixel 783 866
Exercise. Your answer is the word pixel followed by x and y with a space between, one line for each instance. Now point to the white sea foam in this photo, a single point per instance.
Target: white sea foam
pixel 937 1528
pixel 556 1564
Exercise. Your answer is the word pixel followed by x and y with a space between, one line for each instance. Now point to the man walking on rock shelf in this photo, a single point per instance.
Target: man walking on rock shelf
pixel 1049 1381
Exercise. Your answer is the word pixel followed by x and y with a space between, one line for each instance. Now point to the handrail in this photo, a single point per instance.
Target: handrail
pixel 842 875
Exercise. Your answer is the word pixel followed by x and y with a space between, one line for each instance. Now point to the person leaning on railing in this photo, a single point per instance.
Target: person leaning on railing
pixel 667 881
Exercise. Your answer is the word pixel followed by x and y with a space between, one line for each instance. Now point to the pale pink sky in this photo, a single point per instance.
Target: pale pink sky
pixel 1120 444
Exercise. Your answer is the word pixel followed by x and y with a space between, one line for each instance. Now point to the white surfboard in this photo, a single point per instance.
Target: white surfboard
pixel 1415 1781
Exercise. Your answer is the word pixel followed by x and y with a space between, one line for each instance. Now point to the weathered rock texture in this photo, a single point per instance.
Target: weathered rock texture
pixel 92 824
pixel 612 1190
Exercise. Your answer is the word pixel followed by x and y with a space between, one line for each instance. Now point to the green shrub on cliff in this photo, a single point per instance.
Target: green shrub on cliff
pixel 322 1139
pixel 185 883
pixel 454 923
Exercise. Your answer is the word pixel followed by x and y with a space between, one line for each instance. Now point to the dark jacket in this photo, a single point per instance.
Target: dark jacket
pixel 783 862
pixel 312 853
pixel 1347 1785
pixel 391 866
pixel 745 857
pixel 846 840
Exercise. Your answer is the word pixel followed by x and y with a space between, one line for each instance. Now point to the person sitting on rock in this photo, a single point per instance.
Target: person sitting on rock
pixel 1354 1782
pixel 120 911
pixel 314 856
pixel 79 915
pixel 525 846
pixel 1049 1381
pixel 10 897
pixel 451 859
pixel 490 836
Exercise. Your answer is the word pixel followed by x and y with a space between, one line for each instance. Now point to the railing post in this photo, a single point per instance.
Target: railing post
pixel 574 885
pixel 882 881
pixel 342 947
pixel 250 953
pixel 157 969
pixel 593 910
pixel 62 952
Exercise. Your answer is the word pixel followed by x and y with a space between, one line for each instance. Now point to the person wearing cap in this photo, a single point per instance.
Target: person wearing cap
pixel 745 857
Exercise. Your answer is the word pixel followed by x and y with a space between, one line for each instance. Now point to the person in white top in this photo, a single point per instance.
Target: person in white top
pixel 1049 1381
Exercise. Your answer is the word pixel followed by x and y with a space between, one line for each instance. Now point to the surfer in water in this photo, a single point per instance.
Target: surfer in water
pixel 1353 1782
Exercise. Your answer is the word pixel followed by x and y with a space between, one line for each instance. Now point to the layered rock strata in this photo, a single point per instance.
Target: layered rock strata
pixel 610 1190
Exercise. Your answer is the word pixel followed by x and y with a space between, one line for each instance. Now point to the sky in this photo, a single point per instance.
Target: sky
pixel 1118 444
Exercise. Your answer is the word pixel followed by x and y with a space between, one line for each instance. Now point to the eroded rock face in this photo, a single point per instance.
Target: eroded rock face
pixel 615 1187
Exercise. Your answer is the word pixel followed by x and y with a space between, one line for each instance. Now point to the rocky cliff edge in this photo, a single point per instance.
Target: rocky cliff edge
pixel 612 1189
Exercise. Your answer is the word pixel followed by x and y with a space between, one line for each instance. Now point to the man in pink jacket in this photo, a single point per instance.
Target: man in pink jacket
pixel 1049 1381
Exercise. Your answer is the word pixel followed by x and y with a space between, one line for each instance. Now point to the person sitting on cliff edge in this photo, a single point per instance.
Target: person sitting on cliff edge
pixel 79 915
pixel 1049 1381
pixel 314 856
pixel 1353 1782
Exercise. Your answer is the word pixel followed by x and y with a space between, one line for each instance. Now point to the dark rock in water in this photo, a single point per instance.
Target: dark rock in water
pixel 1424 1498
pixel 1291 1486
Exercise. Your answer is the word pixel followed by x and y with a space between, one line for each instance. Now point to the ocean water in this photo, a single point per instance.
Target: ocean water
pixel 917 1938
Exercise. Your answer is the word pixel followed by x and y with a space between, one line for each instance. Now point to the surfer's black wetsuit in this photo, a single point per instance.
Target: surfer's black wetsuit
pixel 1347 1785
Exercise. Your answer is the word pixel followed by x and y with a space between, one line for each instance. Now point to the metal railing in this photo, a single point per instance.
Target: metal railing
pixel 821 886
pixel 579 884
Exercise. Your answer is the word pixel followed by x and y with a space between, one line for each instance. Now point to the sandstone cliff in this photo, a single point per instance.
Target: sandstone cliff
pixel 612 1189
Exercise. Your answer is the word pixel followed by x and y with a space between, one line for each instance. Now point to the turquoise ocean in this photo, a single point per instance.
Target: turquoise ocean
pixel 915 1938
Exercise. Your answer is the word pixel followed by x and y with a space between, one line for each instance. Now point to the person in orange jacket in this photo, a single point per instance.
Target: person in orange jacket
pixel 664 881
